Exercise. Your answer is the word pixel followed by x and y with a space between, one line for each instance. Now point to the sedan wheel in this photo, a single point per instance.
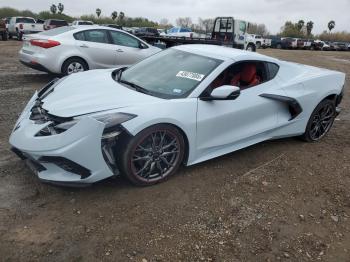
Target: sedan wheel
pixel 153 155
pixel 321 121
pixel 74 65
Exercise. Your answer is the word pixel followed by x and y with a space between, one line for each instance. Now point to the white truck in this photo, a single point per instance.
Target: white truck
pixel 18 26
pixel 259 41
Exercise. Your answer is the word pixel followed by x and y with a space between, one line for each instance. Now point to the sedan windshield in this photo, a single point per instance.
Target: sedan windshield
pixel 170 74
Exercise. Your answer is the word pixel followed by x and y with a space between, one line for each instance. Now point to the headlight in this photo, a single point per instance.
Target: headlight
pixel 112 121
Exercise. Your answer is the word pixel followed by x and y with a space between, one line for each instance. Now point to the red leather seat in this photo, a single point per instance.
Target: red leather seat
pixel 247 77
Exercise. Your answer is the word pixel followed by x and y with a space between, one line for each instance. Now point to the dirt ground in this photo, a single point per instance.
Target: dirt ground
pixel 279 200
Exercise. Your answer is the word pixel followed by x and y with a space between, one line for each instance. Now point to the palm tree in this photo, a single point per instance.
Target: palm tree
pixel 114 15
pixel 53 9
pixel 98 12
pixel 121 16
pixel 60 8
pixel 300 24
pixel 331 25
pixel 309 27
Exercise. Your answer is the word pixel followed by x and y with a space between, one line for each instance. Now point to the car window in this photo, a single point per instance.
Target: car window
pixel 119 38
pixel 79 36
pixel 245 74
pixel 97 36
pixel 59 22
pixel 25 20
pixel 272 70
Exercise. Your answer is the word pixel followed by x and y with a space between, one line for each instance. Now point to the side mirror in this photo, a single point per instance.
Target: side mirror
pixel 226 92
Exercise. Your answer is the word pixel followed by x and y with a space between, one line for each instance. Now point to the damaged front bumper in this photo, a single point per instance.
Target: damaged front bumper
pixel 81 155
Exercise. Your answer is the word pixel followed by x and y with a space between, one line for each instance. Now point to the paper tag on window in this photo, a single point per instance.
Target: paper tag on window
pixel 190 75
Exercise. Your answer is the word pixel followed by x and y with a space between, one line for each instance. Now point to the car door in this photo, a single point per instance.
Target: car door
pixel 129 49
pixel 95 45
pixel 229 123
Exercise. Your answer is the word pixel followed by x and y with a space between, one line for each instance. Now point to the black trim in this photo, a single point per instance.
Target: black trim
pixel 35 165
pixel 67 165
pixel 339 97
pixel 294 107
pixel 36 67
pixel 18 153
pixel 66 184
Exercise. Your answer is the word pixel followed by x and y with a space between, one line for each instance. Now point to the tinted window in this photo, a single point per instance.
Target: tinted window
pixel 25 20
pixel 272 70
pixel 58 30
pixel 97 36
pixel 85 23
pixel 119 38
pixel 58 22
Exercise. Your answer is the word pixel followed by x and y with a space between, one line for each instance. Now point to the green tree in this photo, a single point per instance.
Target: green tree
pixel 114 15
pixel 309 27
pixel 98 12
pixel 331 25
pixel 121 16
pixel 60 8
pixel 53 8
pixel 300 24
pixel 291 30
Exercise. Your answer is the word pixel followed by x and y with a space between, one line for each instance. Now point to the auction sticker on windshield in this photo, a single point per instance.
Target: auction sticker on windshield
pixel 190 75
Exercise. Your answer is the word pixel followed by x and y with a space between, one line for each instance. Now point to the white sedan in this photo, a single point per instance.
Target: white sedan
pixel 184 105
pixel 72 49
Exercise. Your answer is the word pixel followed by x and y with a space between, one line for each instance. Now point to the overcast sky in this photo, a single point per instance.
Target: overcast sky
pixel 273 13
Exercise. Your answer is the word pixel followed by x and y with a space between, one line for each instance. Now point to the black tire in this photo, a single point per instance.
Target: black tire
pixel 67 65
pixel 145 162
pixel 19 36
pixel 320 122
pixel 4 36
pixel 279 46
pixel 251 47
pixel 258 45
pixel 10 36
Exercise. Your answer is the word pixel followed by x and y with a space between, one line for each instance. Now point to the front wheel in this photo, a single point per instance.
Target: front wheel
pixel 153 155
pixel 250 48
pixel 320 122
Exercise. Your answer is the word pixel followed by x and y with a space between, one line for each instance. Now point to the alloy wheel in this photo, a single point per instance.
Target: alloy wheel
pixel 75 67
pixel 322 122
pixel 156 155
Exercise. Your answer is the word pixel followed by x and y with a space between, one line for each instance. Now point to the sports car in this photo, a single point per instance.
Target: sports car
pixel 181 106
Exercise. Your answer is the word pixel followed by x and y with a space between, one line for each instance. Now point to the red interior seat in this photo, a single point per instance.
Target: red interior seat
pixel 247 77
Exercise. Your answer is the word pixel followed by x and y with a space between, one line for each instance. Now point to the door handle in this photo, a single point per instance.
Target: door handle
pixel 84 46
pixel 119 50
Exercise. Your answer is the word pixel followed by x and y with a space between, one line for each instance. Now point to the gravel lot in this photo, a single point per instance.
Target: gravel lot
pixel 279 200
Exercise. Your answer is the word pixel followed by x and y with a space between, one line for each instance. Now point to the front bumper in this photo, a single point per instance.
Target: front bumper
pixel 73 157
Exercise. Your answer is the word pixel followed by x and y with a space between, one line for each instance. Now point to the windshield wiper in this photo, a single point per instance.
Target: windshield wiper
pixel 135 86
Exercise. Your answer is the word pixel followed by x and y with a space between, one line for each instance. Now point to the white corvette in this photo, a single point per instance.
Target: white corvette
pixel 185 105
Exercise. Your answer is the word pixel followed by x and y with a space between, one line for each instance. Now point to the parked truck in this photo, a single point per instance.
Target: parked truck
pixel 18 26
pixel 227 31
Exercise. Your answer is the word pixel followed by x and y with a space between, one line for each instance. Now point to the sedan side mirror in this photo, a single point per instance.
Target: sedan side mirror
pixel 225 92
pixel 142 45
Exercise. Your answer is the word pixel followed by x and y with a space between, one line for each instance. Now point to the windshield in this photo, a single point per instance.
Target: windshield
pixel 171 73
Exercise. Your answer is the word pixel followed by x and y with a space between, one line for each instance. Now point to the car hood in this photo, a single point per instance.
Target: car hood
pixel 92 91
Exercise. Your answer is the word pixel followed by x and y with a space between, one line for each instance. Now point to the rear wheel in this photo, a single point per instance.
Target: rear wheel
pixel 4 36
pixel 74 65
pixel 19 36
pixel 279 46
pixel 320 122
pixel 153 155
